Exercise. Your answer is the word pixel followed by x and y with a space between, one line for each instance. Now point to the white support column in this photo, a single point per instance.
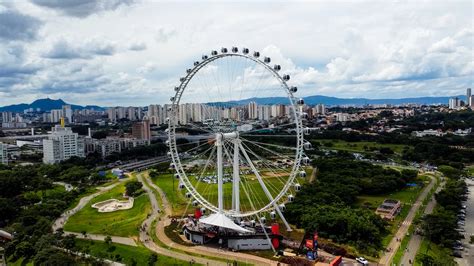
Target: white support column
pixel 236 177
pixel 220 190
pixel 264 187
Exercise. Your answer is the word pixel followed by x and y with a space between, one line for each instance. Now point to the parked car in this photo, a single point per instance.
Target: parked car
pixel 457 254
pixel 362 261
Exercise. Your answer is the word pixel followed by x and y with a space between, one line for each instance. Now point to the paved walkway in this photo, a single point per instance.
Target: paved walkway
pixel 148 241
pixel 415 240
pixel 208 251
pixel 115 239
pixel 402 231
pixel 59 223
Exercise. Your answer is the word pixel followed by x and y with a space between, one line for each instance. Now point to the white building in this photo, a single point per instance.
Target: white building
pixel 3 153
pixel 56 115
pixel 61 145
pixel 7 117
pixel 319 109
pixel 428 132
pixel 252 110
pixel 454 103
pixel 67 113
pixel 264 112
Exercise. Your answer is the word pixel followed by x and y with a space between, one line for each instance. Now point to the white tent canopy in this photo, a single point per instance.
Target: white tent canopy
pixel 219 219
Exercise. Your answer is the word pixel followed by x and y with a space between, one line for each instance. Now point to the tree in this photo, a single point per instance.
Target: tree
pixel 69 242
pixel 108 240
pixel 132 187
pixel 152 259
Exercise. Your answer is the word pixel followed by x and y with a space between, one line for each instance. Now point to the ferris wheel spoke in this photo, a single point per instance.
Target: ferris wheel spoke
pixel 275 171
pixel 262 184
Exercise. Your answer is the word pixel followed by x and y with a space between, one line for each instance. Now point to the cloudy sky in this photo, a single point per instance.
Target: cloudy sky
pixel 132 52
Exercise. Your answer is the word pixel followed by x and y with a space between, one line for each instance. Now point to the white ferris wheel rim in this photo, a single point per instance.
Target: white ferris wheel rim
pixel 175 158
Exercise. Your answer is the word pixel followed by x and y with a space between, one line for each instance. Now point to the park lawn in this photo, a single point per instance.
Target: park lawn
pixel 169 184
pixel 358 146
pixel 178 201
pixel 125 254
pixel 119 223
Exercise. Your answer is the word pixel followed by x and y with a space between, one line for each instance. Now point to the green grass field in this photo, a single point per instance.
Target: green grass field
pixel 358 146
pixel 179 202
pixel 118 223
pixel 126 253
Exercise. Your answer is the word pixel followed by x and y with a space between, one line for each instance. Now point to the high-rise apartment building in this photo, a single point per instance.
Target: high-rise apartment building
pixel 469 97
pixel 264 112
pixel 7 117
pixel 112 114
pixel 252 110
pixel 56 115
pixel 3 153
pixel 454 103
pixel 67 113
pixel 61 145
pixel 320 109
pixel 141 130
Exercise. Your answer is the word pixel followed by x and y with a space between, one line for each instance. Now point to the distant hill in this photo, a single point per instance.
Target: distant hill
pixel 45 105
pixel 333 101
pixel 49 104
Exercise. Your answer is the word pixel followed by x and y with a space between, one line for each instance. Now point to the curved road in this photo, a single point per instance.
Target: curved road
pixel 148 242
pixel 160 233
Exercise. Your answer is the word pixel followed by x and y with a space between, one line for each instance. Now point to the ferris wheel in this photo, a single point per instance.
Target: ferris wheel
pixel 235 135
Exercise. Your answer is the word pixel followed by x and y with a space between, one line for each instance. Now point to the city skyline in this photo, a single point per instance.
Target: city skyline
pixel 418 49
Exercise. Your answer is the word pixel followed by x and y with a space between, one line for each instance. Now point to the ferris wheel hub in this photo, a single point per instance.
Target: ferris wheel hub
pixel 229 135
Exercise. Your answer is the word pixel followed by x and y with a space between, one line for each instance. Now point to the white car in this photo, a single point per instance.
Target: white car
pixel 362 261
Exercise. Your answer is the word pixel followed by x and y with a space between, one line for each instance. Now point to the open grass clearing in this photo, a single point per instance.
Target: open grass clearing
pixel 361 146
pixel 119 223
pixel 178 201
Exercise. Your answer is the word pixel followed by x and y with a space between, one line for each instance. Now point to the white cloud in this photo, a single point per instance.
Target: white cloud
pixel 138 51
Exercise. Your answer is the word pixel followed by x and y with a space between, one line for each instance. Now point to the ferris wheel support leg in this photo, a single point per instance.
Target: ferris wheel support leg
pixel 264 187
pixel 220 190
pixel 236 172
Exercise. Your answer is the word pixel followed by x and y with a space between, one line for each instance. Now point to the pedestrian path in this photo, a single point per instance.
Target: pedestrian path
pixel 415 240
pixel 403 230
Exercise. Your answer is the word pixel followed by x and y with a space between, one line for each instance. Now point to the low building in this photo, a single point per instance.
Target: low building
pixel 389 209
pixel 428 132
